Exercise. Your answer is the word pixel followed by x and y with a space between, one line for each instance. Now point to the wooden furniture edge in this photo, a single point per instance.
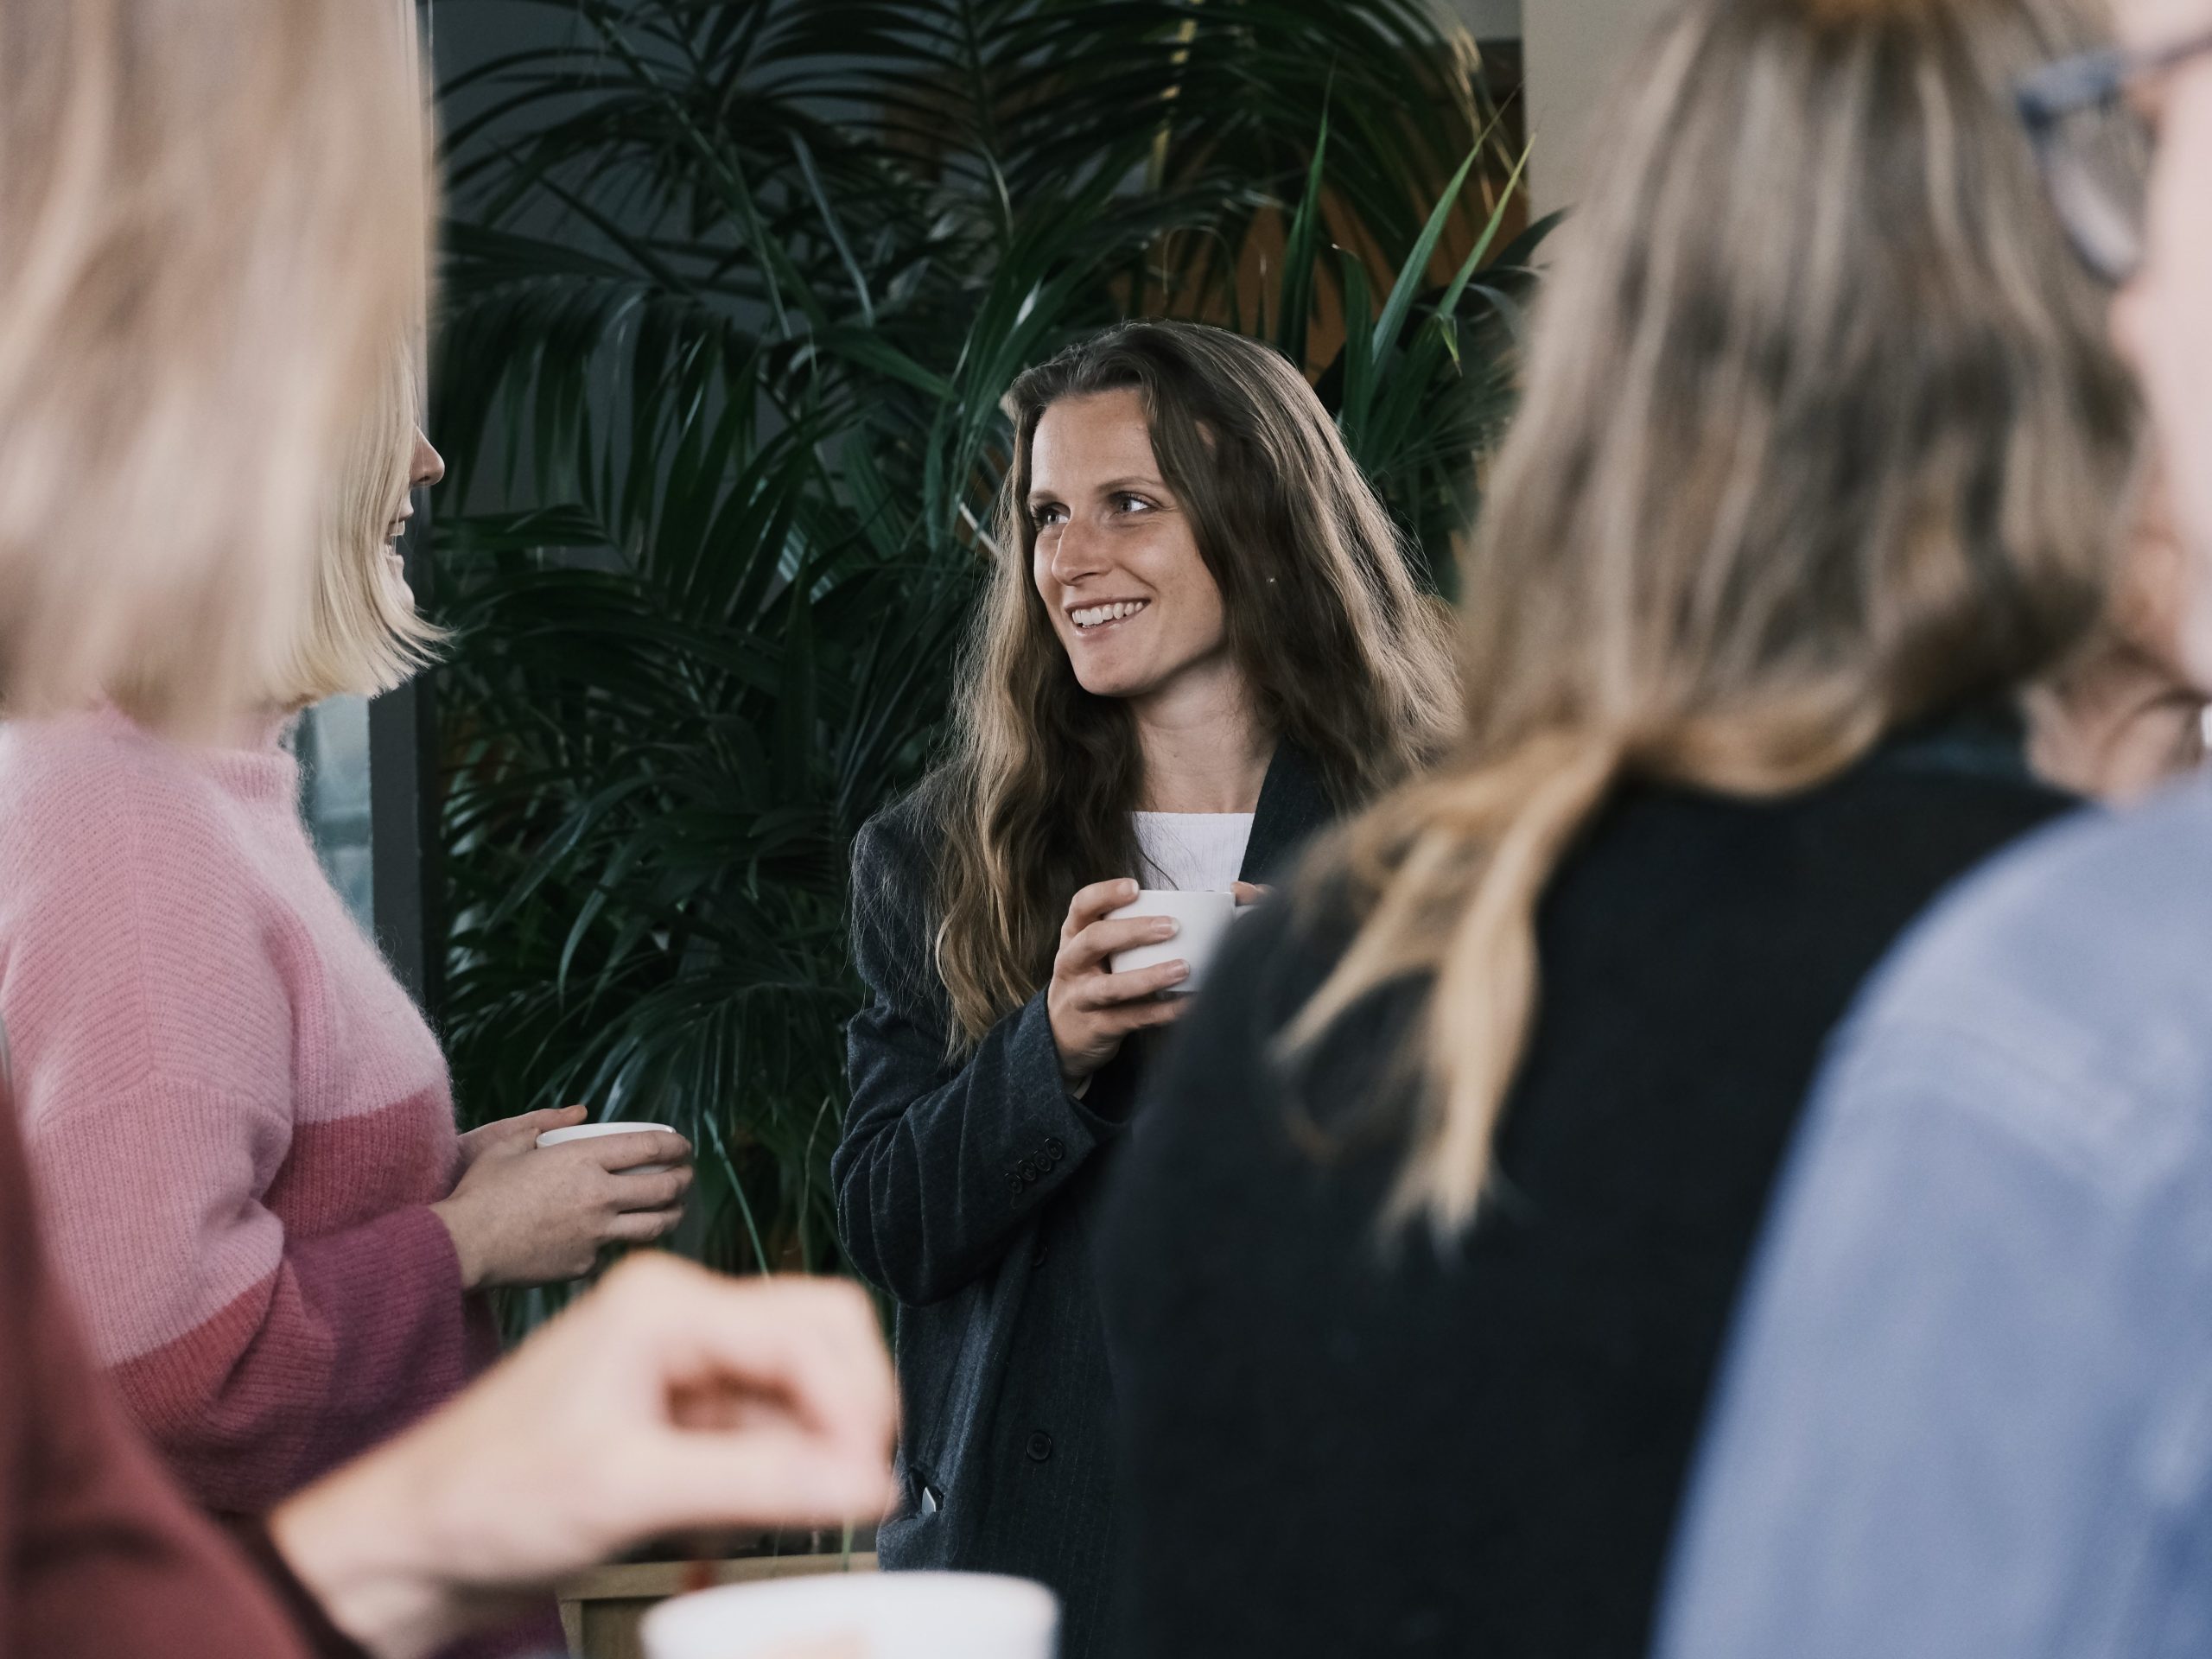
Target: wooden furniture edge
pixel 638 1580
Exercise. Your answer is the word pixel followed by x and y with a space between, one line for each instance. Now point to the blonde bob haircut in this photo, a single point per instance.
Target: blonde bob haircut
pixel 356 635
pixel 213 222
pixel 1823 437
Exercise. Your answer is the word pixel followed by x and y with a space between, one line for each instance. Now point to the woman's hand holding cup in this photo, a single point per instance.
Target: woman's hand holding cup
pixel 524 1215
pixel 1093 1008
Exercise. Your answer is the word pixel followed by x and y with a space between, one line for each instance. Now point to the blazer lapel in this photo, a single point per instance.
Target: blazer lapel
pixel 1292 808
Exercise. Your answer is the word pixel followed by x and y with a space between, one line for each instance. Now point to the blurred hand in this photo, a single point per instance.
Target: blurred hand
pixel 668 1400
pixel 1250 892
pixel 1092 1010
pixel 523 1216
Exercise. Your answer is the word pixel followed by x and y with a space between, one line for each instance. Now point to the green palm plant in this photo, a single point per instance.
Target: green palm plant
pixel 729 307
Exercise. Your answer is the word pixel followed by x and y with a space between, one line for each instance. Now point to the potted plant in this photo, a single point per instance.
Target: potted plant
pixel 731 292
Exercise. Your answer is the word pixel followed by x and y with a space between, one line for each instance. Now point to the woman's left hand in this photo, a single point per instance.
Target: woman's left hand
pixel 522 1130
pixel 525 1214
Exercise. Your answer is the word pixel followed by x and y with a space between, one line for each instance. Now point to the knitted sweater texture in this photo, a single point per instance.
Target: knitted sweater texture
pixel 236 1118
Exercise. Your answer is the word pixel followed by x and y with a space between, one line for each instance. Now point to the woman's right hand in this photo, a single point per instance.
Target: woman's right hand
pixel 1092 1010
pixel 524 1215
pixel 668 1401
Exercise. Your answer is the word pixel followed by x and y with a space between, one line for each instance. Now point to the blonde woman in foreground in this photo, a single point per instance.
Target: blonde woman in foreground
pixel 1424 1259
pixel 241 1125
pixel 181 374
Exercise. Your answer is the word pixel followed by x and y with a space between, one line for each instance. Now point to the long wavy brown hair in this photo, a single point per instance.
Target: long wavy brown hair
pixel 1822 434
pixel 1344 653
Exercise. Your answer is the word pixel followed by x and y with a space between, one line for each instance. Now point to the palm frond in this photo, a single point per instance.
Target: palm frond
pixel 733 289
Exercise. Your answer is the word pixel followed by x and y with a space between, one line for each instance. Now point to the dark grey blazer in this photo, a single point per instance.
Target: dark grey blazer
pixel 968 1191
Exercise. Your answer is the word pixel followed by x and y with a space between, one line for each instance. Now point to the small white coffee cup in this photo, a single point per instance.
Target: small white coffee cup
pixel 591 1131
pixel 1201 921
pixel 860 1616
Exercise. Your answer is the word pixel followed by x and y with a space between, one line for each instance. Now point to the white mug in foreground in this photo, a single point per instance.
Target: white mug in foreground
pixel 860 1616
pixel 1201 924
pixel 588 1131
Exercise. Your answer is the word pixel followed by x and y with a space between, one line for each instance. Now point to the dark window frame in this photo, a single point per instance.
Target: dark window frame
pixel 405 848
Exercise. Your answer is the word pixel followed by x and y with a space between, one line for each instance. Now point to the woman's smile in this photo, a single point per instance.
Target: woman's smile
pixel 1101 616
pixel 1115 558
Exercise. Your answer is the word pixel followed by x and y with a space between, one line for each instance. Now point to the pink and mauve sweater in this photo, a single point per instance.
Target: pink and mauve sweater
pixel 237 1118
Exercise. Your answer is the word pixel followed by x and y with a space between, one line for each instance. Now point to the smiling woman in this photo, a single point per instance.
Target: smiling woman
pixel 1118 567
pixel 1204 640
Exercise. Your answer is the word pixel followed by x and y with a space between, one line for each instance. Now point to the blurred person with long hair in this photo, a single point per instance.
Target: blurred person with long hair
pixel 1417 1276
pixel 1202 639
pixel 242 1126
pixel 212 226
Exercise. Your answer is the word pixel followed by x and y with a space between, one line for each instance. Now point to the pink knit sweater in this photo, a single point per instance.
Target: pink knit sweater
pixel 236 1118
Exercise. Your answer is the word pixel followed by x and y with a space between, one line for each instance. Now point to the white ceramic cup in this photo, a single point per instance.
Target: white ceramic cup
pixel 1201 920
pixel 860 1616
pixel 589 1131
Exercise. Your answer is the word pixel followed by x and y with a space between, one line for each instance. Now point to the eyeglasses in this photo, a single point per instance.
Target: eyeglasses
pixel 2093 148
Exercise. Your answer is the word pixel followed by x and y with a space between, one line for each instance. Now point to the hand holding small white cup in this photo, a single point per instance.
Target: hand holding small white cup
pixel 526 1215
pixel 1201 919
pixel 1091 1007
pixel 598 1131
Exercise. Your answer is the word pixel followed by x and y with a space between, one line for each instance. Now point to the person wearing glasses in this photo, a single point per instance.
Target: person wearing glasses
pixel 1969 1412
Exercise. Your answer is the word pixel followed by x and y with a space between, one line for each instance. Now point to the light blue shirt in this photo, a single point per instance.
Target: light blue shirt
pixel 1967 1412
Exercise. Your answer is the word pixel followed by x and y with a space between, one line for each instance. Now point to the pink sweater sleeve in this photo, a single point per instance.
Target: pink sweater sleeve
pixel 98 1554
pixel 254 1360
pixel 162 1010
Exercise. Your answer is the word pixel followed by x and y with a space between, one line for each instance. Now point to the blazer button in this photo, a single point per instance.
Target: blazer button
pixel 1054 1150
pixel 1014 1185
pixel 1037 1257
pixel 1041 1446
